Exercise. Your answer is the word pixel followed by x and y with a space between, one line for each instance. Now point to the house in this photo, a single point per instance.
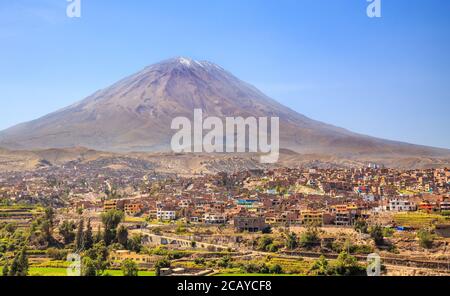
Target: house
pixel 113 204
pixel 397 205
pixel 426 206
pixel 214 219
pixel 133 208
pixel 310 217
pixel 117 257
pixel 249 223
pixel 166 214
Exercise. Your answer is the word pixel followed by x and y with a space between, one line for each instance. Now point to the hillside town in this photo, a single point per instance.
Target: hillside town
pixel 293 215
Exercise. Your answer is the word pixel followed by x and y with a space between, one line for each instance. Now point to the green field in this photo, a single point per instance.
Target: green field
pixel 419 220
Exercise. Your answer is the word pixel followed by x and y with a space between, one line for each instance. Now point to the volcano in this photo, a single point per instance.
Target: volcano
pixel 135 114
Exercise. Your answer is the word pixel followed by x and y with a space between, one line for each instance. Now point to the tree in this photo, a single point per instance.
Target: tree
pixel 135 243
pixel 224 262
pixel 276 269
pixel 309 238
pixel 98 236
pixel 264 243
pixel 291 241
pixel 347 265
pixel 361 226
pixel 122 235
pixel 49 214
pixel 79 244
pixel 88 239
pixel 129 268
pixel 66 231
pixel 111 220
pixel 162 263
pixel 320 267
pixel 425 238
pixel 46 231
pixel 88 267
pixel 19 266
pixel 5 269
pixel 99 256
pixel 376 232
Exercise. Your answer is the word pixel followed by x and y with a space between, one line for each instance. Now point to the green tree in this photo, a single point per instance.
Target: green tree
pixel 309 238
pixel 135 243
pixel 19 266
pixel 79 244
pixel 99 256
pixel 347 265
pixel 264 242
pixel 111 220
pixel 66 231
pixel 425 238
pixel 88 267
pixel 46 231
pixel 320 267
pixel 49 215
pixel 276 269
pixel 361 226
pixel 88 238
pixel 376 232
pixel 224 262
pixel 5 269
pixel 129 268
pixel 98 236
pixel 122 235
pixel 291 241
pixel 162 263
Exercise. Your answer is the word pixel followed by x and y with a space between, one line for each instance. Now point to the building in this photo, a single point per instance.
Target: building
pixel 113 204
pixel 117 257
pixel 310 217
pixel 444 205
pixel 248 223
pixel 396 205
pixel 133 208
pixel 214 219
pixel 166 214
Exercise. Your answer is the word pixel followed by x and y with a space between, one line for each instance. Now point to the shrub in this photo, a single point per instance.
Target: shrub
pixel 425 238
pixel 309 238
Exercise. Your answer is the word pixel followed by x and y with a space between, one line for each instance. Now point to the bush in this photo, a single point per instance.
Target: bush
pixel 199 261
pixel 129 268
pixel 376 232
pixel 276 269
pixel 57 254
pixel 309 238
pixel 347 265
pixel 224 262
pixel 320 267
pixel 361 226
pixel 425 238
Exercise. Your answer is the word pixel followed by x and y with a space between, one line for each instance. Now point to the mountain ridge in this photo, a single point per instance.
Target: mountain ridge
pixel 135 113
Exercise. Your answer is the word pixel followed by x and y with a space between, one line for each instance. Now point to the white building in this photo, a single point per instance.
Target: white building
pixel 444 205
pixel 166 215
pixel 214 219
pixel 397 205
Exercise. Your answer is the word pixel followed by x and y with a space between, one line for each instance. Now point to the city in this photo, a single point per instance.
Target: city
pixel 281 221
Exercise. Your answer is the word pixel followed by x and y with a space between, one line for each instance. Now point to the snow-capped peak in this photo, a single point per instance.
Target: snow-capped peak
pixel 185 61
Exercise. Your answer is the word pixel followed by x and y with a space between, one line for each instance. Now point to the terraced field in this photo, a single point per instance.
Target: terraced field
pixel 419 220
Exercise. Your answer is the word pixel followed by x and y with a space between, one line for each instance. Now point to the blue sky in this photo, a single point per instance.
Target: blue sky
pixel 387 77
